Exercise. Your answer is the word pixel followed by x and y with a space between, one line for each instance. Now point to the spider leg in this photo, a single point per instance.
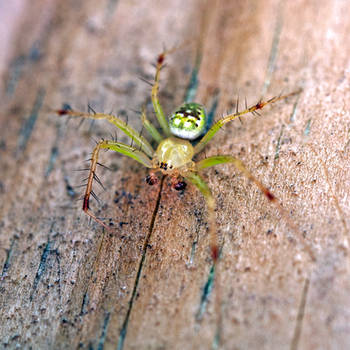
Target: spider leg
pixel 211 161
pixel 115 146
pixel 150 127
pixel 120 124
pixel 222 159
pixel 220 123
pixel 202 186
pixel 155 100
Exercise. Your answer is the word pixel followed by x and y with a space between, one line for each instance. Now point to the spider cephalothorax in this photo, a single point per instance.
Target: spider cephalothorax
pixel 175 151
pixel 173 154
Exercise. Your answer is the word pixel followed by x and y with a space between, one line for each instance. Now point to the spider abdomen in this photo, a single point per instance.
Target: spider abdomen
pixel 188 121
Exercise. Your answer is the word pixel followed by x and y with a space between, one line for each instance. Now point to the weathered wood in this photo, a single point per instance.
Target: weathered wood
pixel 65 283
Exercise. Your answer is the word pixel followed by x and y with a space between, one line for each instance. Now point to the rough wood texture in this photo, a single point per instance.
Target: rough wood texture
pixel 65 283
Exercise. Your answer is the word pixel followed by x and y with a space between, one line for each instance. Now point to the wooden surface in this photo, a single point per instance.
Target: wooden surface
pixel 65 283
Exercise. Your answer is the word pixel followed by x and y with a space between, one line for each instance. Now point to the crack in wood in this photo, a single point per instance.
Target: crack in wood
pixel 300 317
pixel 192 86
pixel 54 152
pixel 42 266
pixel 19 64
pixel 7 263
pixel 278 144
pixel 28 125
pixel 111 8
pixel 307 128
pixel 294 111
pixel 333 195
pixel 207 289
pixel 16 69
pixel 335 198
pixel 193 251
pixel 104 332
pixel 85 301
pixel 123 331
pixel 274 48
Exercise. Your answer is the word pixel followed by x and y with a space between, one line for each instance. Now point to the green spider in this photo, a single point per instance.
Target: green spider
pixel 175 152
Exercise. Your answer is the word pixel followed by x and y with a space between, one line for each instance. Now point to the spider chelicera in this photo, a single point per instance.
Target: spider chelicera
pixel 175 148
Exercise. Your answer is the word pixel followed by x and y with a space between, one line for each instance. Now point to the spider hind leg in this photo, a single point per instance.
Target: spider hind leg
pixel 222 159
pixel 202 186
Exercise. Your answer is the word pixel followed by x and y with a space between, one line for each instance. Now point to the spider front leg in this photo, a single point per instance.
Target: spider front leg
pixel 155 88
pixel 150 127
pixel 220 123
pixel 142 142
pixel 114 146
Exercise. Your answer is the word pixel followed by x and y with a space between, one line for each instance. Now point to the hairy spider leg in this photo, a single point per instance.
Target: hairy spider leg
pixel 150 127
pixel 197 180
pixel 144 145
pixel 122 148
pixel 220 123
pixel 155 88
pixel 203 187
pixel 222 159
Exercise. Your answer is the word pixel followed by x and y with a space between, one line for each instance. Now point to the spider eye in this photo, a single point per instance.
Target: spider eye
pixel 151 179
pixel 189 121
pixel 180 186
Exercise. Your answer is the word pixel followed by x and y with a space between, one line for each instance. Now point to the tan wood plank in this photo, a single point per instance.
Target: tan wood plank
pixel 66 283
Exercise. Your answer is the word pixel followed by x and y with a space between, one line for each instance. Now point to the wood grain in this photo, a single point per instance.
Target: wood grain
pixel 66 283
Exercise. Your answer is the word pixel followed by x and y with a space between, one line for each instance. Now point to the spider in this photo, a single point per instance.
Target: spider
pixel 175 148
